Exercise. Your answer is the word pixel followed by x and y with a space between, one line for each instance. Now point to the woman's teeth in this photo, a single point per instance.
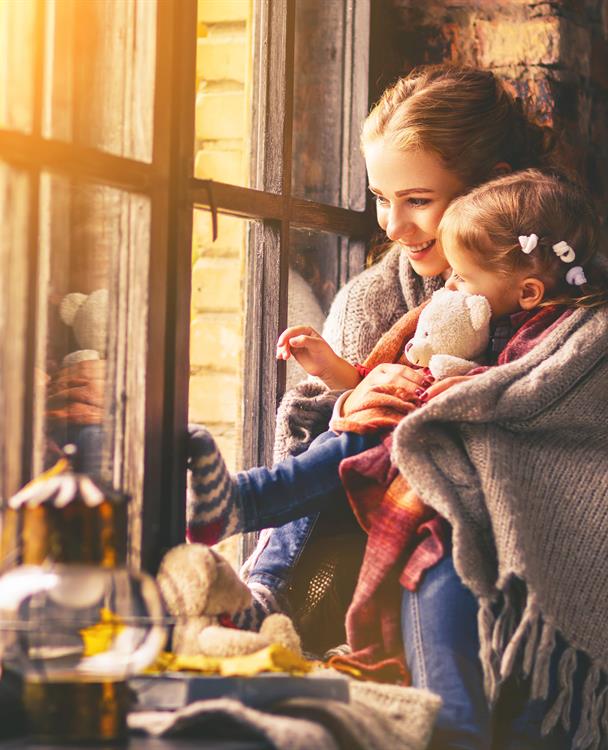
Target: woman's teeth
pixel 418 248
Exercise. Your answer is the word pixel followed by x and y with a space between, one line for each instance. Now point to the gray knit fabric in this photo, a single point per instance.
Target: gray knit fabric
pixel 377 717
pixel 517 461
pixel 362 311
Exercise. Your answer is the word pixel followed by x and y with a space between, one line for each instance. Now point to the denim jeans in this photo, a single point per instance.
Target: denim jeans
pixel 301 485
pixel 291 496
pixel 439 624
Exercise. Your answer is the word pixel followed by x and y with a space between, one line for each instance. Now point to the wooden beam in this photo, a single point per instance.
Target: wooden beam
pixel 77 162
pixel 257 204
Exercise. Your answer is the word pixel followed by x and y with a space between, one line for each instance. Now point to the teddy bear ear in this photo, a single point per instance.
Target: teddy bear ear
pixel 479 310
pixel 70 305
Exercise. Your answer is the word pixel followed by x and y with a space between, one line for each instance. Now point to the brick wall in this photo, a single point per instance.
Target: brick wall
pixel 553 54
pixel 221 153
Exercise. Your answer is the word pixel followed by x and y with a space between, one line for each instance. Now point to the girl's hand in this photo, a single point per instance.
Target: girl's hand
pixel 401 380
pixel 316 356
pixel 442 385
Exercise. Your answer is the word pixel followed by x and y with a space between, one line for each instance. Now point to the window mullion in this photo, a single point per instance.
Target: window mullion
pixel 170 279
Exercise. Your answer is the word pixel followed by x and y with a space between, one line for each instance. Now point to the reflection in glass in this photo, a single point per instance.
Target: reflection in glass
pixel 14 193
pixel 91 330
pixel 99 74
pixel 319 75
pixel 17 29
pixel 223 90
pixel 315 273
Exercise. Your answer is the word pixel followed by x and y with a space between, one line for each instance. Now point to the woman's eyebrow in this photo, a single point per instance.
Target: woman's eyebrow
pixel 401 193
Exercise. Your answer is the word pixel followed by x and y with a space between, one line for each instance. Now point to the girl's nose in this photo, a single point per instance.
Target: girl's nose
pixel 408 346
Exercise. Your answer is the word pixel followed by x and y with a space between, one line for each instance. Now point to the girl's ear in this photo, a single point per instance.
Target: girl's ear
pixel 531 293
pixel 500 170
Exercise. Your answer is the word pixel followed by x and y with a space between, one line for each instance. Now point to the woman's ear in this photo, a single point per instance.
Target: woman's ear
pixel 501 169
pixel 531 293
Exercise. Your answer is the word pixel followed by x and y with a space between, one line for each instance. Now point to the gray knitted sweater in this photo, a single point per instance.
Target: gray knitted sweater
pixel 517 461
pixel 362 311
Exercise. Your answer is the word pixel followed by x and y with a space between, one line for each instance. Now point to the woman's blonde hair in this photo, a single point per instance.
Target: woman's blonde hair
pixel 488 222
pixel 464 115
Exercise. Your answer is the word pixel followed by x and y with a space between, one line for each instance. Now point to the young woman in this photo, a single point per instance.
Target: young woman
pixel 531 282
pixel 435 134
pixel 462 128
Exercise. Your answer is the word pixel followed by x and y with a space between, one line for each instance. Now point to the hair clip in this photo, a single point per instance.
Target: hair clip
pixel 576 276
pixel 564 252
pixel 528 243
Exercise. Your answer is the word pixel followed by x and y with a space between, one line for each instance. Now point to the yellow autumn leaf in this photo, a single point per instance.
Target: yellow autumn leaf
pixel 98 638
pixel 273 658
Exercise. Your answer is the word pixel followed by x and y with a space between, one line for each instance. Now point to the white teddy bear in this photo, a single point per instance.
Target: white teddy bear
pixel 87 314
pixel 452 330
pixel 198 586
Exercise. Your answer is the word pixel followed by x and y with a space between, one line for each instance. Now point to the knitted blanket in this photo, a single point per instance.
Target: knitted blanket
pixel 517 461
pixel 376 717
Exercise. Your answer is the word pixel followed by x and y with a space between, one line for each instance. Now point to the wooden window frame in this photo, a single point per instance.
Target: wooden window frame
pixel 174 193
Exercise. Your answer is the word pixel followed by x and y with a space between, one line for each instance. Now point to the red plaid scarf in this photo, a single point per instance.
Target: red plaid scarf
pixel 405 536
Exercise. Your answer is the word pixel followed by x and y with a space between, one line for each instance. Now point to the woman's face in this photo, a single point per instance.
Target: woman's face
pixel 412 190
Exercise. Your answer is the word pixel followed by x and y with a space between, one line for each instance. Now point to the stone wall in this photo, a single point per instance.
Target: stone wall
pixel 553 54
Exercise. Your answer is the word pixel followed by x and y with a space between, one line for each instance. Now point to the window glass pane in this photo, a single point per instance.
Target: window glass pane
pixel 99 74
pixel 315 272
pixel 318 101
pixel 92 287
pixel 17 64
pixel 216 336
pixel 223 91
pixel 14 234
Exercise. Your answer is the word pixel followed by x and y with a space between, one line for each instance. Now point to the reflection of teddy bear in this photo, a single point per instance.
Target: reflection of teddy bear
pixel 87 315
pixel 453 329
pixel 200 589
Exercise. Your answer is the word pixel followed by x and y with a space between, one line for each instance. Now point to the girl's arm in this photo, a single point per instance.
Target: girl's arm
pixel 317 357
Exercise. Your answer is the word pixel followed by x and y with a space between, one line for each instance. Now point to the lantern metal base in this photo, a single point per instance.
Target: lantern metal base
pixel 77 712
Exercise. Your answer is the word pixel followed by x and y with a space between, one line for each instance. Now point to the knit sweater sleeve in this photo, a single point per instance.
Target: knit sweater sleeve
pixel 362 311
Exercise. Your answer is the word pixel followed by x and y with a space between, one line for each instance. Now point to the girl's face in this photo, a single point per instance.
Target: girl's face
pixel 503 291
pixel 412 190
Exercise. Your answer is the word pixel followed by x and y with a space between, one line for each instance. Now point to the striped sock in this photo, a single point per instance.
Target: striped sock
pixel 213 510
pixel 264 604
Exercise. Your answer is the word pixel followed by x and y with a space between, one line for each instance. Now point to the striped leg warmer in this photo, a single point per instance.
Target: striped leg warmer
pixel 213 509
pixel 264 604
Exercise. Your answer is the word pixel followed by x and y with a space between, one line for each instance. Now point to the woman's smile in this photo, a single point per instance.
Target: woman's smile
pixel 417 252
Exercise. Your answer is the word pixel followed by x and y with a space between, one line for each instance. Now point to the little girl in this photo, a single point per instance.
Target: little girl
pixel 526 242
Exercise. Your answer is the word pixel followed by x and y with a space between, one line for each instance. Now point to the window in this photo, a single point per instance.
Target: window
pixel 132 134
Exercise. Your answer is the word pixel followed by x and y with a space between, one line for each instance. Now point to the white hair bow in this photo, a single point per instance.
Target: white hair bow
pixel 564 252
pixel 528 243
pixel 576 276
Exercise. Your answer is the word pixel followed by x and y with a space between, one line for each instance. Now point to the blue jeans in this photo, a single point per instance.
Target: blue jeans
pixel 439 624
pixel 291 496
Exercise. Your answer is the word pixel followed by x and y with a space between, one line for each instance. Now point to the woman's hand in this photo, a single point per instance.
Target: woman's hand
pixel 400 380
pixel 316 356
pixel 76 394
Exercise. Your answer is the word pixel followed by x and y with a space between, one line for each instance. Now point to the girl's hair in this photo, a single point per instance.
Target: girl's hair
pixel 488 221
pixel 466 116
